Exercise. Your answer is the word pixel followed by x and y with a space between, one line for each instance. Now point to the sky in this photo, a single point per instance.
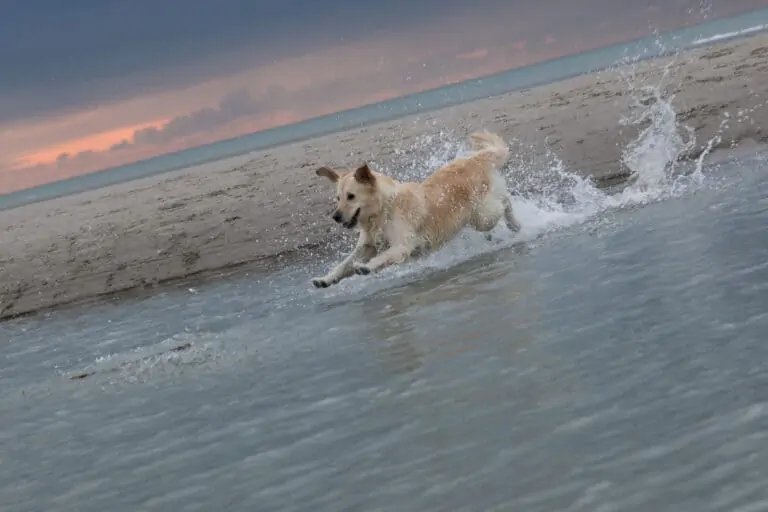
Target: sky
pixel 91 84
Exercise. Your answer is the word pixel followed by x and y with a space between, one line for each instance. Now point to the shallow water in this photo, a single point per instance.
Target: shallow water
pixel 616 364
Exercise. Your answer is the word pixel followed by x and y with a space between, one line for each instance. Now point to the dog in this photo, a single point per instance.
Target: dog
pixel 399 221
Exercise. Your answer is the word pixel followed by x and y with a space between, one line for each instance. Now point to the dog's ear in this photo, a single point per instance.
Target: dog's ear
pixel 364 175
pixel 329 173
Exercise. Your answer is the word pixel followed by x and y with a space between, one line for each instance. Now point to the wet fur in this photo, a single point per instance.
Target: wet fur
pixel 399 221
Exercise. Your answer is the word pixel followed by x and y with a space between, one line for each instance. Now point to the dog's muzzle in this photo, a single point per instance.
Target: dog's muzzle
pixel 351 223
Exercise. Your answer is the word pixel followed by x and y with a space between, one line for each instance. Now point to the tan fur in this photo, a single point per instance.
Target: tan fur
pixel 398 221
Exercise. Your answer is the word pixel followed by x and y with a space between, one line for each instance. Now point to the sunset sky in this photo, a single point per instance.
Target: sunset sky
pixel 90 84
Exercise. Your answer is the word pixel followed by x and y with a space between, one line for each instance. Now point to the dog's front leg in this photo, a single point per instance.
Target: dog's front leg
pixel 394 255
pixel 363 251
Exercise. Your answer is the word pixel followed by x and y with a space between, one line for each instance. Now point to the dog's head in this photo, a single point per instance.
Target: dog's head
pixel 356 197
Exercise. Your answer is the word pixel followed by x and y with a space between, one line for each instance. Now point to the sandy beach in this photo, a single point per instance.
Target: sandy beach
pixel 263 210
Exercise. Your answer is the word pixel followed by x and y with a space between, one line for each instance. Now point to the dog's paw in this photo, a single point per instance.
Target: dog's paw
pixel 362 269
pixel 320 282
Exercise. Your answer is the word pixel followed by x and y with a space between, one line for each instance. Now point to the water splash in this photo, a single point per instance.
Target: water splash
pixel 653 156
pixel 171 356
pixel 548 196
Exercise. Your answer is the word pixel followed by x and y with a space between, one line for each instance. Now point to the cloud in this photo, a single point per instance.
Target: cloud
pixel 123 144
pixel 63 59
pixel 63 56
pixel 81 158
pixel 233 106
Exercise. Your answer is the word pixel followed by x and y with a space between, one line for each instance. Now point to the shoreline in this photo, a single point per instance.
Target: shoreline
pixel 258 212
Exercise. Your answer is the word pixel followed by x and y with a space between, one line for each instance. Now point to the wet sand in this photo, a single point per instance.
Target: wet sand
pixel 262 210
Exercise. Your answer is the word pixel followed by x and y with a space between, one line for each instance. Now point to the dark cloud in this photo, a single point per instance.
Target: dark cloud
pixel 239 104
pixel 81 158
pixel 123 144
pixel 58 54
pixel 235 105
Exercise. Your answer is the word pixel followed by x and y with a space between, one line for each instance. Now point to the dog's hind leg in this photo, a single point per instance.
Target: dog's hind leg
pixel 509 215
pixel 486 217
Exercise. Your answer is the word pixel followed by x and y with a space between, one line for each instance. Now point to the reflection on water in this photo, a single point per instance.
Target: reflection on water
pixel 408 319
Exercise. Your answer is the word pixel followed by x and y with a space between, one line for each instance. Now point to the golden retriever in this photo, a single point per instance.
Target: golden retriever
pixel 398 221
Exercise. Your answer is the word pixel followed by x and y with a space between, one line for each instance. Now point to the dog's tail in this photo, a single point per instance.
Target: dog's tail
pixel 490 144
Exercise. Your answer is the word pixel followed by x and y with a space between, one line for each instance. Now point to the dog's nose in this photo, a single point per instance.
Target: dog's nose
pixel 337 216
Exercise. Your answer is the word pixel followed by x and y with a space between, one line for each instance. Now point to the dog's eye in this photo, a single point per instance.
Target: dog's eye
pixel 350 197
pixel 338 199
